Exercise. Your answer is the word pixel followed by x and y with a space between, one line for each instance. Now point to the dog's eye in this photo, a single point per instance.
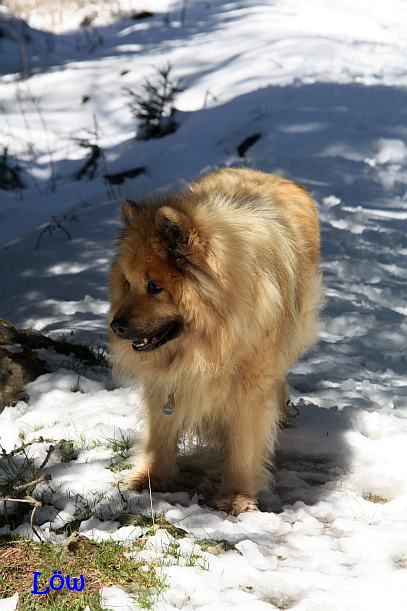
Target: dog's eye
pixel 152 288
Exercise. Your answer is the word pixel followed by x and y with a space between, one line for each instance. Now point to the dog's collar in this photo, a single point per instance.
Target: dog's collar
pixel 169 405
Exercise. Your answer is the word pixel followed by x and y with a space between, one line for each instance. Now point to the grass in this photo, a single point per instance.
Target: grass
pixel 86 507
pixel 154 108
pixel 56 11
pixel 173 555
pixel 16 470
pixel 101 564
pixel 121 445
pixel 100 355
pixel 215 546
pixel 68 451
pixel 400 562
pixel 81 357
pixel 122 448
pixel 152 523
pixel 116 466
pixel 282 602
pixel 375 498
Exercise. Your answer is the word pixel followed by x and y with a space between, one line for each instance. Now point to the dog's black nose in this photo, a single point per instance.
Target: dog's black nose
pixel 120 326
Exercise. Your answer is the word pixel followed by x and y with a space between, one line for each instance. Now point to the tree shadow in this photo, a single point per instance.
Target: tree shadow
pixel 336 139
pixel 123 37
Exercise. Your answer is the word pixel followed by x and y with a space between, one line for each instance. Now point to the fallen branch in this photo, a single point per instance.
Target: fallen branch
pixel 32 501
pixel 9 492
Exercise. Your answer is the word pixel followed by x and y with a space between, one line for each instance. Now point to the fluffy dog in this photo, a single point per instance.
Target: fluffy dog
pixel 215 293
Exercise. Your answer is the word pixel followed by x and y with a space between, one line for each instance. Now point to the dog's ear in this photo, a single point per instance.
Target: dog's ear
pixel 129 212
pixel 181 238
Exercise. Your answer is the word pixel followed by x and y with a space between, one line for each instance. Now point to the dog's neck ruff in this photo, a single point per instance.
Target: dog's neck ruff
pixel 169 405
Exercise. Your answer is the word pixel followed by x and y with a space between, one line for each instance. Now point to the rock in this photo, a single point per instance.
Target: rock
pixel 20 364
pixel 16 370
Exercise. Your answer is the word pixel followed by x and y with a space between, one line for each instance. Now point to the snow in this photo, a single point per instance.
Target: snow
pixel 10 603
pixel 325 86
pixel 114 597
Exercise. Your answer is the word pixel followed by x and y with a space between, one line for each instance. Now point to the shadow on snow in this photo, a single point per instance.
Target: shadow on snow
pixel 325 136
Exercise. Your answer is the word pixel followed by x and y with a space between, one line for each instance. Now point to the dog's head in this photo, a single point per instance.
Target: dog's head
pixel 156 276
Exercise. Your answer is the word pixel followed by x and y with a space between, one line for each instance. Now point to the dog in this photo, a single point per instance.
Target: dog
pixel 215 292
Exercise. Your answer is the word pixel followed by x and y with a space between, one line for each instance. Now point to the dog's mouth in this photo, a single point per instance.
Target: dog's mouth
pixel 160 337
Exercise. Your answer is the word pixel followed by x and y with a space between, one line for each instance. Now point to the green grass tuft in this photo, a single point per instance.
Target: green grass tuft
pixel 101 564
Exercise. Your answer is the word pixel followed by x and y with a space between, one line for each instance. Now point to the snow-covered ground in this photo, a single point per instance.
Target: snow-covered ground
pixel 325 86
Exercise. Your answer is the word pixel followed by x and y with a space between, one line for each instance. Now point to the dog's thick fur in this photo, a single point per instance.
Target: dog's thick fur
pixel 236 255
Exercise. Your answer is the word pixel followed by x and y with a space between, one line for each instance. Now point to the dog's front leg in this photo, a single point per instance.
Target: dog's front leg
pixel 249 438
pixel 155 464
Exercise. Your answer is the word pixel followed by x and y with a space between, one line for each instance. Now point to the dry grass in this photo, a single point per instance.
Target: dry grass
pixel 374 498
pixel 52 14
pixel 400 562
pixel 101 564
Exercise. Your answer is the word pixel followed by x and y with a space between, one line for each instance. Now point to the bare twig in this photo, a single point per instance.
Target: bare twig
pixel 151 496
pixel 46 459
pixel 184 9
pixel 24 487
pixel 31 501
pixel 23 446
pixel 90 166
pixel 34 511
pixel 56 223
pixel 13 493
pixel 28 93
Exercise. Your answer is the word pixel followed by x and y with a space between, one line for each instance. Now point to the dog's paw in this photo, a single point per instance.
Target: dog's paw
pixel 234 503
pixel 139 480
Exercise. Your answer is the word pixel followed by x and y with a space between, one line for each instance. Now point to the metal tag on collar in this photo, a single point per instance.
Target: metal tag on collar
pixel 168 407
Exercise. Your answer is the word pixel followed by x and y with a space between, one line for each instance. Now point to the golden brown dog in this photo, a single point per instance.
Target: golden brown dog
pixel 214 294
